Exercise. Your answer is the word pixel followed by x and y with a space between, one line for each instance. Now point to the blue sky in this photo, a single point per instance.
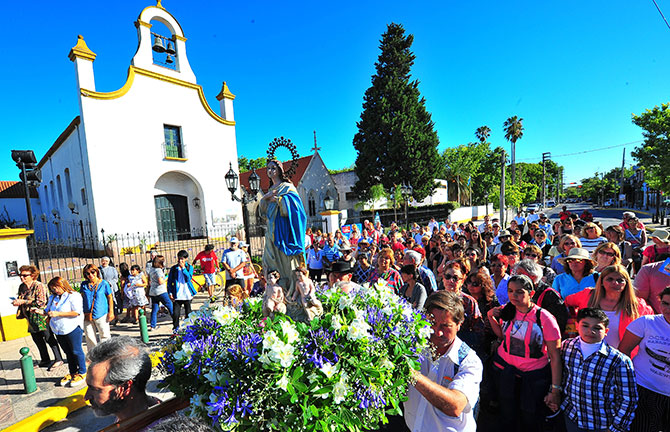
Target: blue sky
pixel 573 70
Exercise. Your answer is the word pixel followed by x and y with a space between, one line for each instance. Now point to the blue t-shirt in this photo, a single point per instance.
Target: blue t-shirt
pixel 101 306
pixel 567 285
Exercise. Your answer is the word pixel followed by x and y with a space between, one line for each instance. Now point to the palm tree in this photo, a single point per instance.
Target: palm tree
pixel 513 132
pixel 483 133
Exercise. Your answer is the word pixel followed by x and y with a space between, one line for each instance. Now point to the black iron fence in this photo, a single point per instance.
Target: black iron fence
pixel 66 256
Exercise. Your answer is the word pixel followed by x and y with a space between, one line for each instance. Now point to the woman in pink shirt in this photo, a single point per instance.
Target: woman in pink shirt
pixel 522 373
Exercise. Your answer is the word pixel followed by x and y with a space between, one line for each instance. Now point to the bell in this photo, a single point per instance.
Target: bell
pixel 169 59
pixel 158 45
pixel 170 49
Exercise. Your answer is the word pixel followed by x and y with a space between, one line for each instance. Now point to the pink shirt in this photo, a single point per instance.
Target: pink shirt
pixel 524 342
pixel 649 283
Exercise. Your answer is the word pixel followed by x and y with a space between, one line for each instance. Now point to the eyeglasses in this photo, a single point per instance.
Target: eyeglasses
pixel 531 255
pixel 472 254
pixel 90 274
pixel 569 243
pixel 497 265
pixel 25 275
pixel 615 280
pixel 665 303
pixel 475 283
pixel 452 277
pixel 574 260
pixel 512 254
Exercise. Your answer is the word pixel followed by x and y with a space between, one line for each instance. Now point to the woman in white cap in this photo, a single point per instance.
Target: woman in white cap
pixel 578 273
pixel 661 246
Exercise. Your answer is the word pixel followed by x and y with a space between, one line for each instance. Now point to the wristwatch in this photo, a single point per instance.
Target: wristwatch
pixel 556 387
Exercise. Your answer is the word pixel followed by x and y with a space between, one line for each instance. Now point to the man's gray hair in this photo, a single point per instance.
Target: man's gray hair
pixel 416 256
pixel 179 422
pixel 128 360
pixel 532 268
pixel 105 258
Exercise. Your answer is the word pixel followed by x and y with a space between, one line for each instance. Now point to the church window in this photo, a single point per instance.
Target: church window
pixel 311 203
pixel 173 146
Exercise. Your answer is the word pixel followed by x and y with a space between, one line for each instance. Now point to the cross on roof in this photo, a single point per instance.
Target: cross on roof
pixel 315 148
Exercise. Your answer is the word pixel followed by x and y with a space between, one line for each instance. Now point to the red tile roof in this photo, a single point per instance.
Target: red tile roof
pixel 14 189
pixel 303 163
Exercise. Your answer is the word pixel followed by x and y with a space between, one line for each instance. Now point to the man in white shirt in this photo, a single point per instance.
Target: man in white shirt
pixel 233 261
pixel 432 225
pixel 447 387
pixel 482 227
pixel 520 220
pixel 532 217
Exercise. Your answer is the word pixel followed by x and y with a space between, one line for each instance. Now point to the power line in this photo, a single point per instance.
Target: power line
pixel 585 151
pixel 659 11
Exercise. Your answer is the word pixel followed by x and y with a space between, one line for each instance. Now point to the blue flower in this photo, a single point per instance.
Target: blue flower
pixel 244 408
pixel 246 347
pixel 220 404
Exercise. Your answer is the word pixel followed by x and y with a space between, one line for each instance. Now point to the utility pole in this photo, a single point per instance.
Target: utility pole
pixel 623 164
pixel 545 158
pixel 502 189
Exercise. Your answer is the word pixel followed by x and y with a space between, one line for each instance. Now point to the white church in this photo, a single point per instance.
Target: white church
pixel 156 139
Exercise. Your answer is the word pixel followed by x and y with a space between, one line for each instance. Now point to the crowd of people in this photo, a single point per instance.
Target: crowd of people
pixel 553 311
pixel 529 319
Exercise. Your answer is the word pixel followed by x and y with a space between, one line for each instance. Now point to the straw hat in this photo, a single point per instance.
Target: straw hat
pixel 661 234
pixel 577 253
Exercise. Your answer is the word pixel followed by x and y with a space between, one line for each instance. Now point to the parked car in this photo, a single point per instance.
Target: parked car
pixel 535 206
pixel 608 203
pixel 551 204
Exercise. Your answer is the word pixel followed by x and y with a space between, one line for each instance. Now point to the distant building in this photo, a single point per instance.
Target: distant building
pixel 148 156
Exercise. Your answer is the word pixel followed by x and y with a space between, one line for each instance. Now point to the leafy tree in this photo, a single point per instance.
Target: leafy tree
pixel 513 132
pixel 396 140
pixel 462 163
pixel 654 154
pixel 249 164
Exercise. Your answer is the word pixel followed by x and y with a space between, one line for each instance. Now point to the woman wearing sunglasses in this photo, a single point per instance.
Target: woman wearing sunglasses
pixel 615 295
pixel 606 254
pixel 567 242
pixel 480 286
pixel 534 253
pixel 453 278
pixel 578 273
pixel 98 306
pixel 31 300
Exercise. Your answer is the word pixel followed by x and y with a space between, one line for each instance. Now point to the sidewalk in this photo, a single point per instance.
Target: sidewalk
pixel 15 405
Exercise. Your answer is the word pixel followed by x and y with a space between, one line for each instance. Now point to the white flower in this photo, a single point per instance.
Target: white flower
pixel 328 370
pixel 270 339
pixel 264 359
pixel 283 382
pixel 425 332
pixel 282 353
pixel 386 310
pixel 386 364
pixel 212 376
pixel 344 302
pixel 289 331
pixel 336 322
pixel 225 315
pixel 358 330
pixel 340 389
pixel 184 354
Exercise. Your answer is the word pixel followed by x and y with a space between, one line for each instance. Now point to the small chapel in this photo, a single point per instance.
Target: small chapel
pixel 155 138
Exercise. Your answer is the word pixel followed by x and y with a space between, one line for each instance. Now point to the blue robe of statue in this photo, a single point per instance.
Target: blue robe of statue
pixel 285 236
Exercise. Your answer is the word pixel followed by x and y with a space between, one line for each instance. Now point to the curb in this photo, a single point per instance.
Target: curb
pixel 636 211
pixel 50 415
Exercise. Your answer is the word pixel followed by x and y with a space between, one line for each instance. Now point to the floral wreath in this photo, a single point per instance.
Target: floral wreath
pixel 286 143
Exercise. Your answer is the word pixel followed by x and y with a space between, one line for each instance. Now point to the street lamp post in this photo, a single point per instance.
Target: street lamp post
pixel 232 180
pixel 406 190
pixel 31 177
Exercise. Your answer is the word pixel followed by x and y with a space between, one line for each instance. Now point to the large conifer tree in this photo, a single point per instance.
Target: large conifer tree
pixel 396 139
